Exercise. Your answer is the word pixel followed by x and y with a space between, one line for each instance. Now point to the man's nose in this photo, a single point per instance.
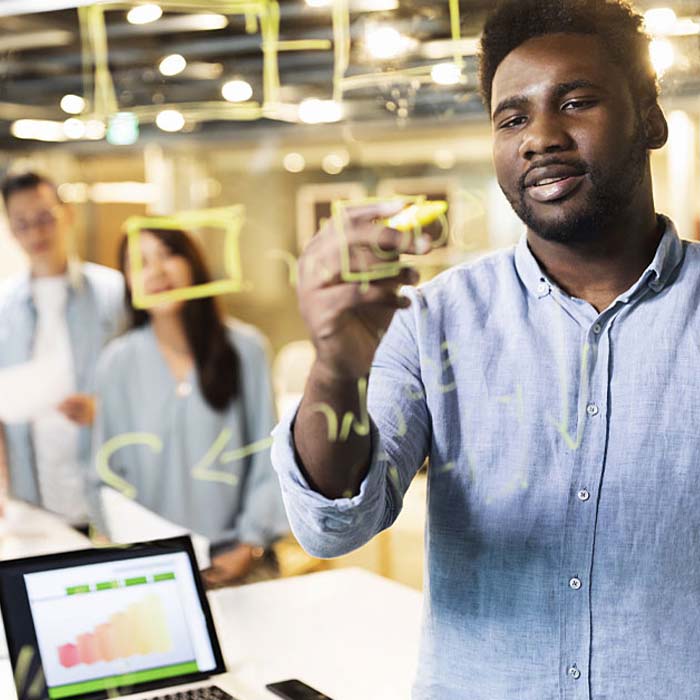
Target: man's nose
pixel 544 133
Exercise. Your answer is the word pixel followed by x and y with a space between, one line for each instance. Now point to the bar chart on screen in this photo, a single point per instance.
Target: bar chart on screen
pixel 140 629
pixel 99 627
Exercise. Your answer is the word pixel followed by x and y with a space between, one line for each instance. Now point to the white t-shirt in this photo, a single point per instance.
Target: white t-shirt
pixel 60 478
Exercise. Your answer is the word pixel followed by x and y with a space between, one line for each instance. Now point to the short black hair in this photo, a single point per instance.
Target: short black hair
pixel 25 181
pixel 513 22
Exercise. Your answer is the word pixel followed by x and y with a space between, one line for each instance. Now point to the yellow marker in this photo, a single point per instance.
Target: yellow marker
pixel 418 215
pixel 408 224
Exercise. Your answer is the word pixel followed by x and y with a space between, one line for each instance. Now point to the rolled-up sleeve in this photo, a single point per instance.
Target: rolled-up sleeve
pixel 400 437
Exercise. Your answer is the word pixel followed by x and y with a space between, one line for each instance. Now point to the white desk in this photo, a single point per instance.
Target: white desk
pixel 27 531
pixel 349 633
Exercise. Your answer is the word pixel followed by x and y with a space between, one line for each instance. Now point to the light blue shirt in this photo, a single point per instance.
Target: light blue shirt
pixel 94 314
pixel 563 524
pixel 205 470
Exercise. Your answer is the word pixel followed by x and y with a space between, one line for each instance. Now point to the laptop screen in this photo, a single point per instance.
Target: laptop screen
pixel 82 623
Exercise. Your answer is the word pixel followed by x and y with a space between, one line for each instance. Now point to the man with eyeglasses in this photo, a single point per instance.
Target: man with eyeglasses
pixel 59 314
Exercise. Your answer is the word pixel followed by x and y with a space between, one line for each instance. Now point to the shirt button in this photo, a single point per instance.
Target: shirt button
pixel 542 288
pixel 597 328
pixel 575 583
pixel 574 673
pixel 183 389
pixel 592 410
pixel 583 495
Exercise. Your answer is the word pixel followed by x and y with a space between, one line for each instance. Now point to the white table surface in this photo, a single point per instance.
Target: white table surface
pixel 348 632
pixel 27 531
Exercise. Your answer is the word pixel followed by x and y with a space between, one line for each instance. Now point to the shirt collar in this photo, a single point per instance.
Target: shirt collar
pixel 74 275
pixel 669 255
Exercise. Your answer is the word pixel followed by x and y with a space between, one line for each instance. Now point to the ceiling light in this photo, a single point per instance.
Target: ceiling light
pixel 74 128
pixel 170 120
pixel 72 104
pixel 660 20
pixel 38 130
pixel 128 192
pixel 172 64
pixel 201 70
pixel 446 73
pixel 319 3
pixel 662 55
pixel 314 111
pixel 294 162
pixel 123 129
pixel 95 129
pixel 74 192
pixel 373 5
pixel 333 163
pixel 447 48
pixel 444 158
pixel 207 22
pixel 236 91
pixel 33 40
pixel 686 27
pixel 386 42
pixel 144 14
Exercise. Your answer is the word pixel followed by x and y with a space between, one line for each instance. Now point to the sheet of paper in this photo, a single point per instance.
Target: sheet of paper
pixel 128 521
pixel 29 389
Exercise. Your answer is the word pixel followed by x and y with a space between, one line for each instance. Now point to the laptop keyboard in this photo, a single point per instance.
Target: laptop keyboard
pixel 211 692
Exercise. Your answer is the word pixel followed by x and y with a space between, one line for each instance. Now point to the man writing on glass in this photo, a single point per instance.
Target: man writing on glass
pixel 553 387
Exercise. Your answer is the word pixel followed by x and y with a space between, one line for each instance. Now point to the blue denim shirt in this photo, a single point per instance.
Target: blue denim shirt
pixel 95 313
pixel 564 456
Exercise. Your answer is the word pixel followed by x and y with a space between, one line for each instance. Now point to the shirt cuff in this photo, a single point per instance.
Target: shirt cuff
pixel 329 527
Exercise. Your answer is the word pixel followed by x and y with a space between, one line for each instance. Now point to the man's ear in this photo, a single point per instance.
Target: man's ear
pixel 655 126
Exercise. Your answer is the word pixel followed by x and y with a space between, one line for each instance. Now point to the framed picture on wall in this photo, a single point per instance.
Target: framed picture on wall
pixel 314 205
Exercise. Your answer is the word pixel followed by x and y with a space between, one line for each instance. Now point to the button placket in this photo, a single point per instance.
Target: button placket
pixel 581 512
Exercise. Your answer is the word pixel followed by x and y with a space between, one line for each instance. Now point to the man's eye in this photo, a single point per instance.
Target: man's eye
pixel 578 104
pixel 509 123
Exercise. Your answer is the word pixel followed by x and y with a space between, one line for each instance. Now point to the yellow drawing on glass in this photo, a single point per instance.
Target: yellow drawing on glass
pixel 113 445
pixel 228 219
pixel 261 17
pixel 342 44
pixel 573 442
pixel 24 661
pixel 201 469
pixel 250 449
pixel 420 212
pixel 349 421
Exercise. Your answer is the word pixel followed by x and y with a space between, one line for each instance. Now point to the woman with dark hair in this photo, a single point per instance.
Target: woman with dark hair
pixel 201 386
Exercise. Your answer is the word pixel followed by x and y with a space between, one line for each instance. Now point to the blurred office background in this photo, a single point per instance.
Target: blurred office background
pixel 152 109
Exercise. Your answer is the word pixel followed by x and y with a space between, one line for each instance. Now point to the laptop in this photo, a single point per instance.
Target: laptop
pixel 117 622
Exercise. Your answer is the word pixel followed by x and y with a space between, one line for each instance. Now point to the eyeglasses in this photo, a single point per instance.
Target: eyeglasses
pixel 43 220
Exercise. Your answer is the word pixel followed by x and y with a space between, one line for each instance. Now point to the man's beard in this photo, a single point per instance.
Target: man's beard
pixel 611 194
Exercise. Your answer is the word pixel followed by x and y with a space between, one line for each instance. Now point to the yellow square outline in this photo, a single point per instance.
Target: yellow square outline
pixel 378 270
pixel 104 101
pixel 230 219
pixel 341 41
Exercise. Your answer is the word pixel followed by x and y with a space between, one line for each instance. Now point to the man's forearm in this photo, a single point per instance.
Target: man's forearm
pixel 334 456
